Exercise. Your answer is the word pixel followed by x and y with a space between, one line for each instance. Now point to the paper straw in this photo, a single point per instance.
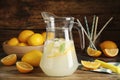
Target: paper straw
pixel 102 28
pixel 95 30
pixel 88 31
pixel 80 25
pixel 91 36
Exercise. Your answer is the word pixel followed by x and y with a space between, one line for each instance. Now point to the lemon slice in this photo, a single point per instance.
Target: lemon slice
pixel 70 49
pixel 24 67
pixel 111 52
pixel 90 65
pixel 92 52
pixel 9 60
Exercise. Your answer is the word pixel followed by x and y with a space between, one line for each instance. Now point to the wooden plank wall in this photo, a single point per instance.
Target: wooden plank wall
pixel 16 15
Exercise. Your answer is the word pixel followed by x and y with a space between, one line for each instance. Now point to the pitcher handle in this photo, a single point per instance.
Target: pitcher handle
pixel 82 37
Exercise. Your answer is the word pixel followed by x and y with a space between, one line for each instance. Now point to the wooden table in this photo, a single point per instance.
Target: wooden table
pixel 11 73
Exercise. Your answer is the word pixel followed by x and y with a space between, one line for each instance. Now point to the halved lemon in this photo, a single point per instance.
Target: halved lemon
pixel 92 52
pixel 90 65
pixel 9 60
pixel 24 67
pixel 111 52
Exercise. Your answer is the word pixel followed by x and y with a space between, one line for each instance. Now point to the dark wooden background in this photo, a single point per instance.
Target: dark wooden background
pixel 16 15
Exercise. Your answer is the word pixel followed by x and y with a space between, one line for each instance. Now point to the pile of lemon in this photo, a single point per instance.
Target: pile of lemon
pixel 27 38
pixel 30 59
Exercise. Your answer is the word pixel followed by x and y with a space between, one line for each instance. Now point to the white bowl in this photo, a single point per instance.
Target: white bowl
pixel 19 50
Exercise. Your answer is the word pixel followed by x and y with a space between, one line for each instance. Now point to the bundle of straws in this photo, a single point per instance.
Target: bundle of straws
pixel 92 35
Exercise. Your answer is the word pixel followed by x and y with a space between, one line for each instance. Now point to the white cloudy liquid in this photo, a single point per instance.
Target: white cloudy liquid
pixel 59 58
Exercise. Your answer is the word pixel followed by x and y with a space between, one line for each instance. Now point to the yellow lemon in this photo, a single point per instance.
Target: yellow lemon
pixel 35 40
pixel 50 35
pixel 44 36
pixel 32 57
pixel 111 52
pixel 108 45
pixel 22 44
pixel 9 60
pixel 92 52
pixel 109 48
pixel 13 41
pixel 90 65
pixel 24 35
pixel 24 67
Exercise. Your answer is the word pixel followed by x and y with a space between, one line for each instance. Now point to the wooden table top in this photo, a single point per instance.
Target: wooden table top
pixel 11 73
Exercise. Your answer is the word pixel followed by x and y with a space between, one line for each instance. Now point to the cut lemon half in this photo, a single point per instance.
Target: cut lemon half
pixel 90 65
pixel 111 52
pixel 9 60
pixel 92 52
pixel 24 67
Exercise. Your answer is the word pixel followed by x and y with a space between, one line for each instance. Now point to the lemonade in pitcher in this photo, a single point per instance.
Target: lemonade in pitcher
pixel 59 55
pixel 59 58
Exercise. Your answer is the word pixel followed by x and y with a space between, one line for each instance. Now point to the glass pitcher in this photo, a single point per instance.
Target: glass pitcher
pixel 59 56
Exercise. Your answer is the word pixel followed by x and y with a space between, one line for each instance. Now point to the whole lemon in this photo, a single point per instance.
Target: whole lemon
pixel 22 44
pixel 48 35
pixel 24 35
pixel 13 41
pixel 51 35
pixel 32 57
pixel 44 36
pixel 108 45
pixel 35 40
